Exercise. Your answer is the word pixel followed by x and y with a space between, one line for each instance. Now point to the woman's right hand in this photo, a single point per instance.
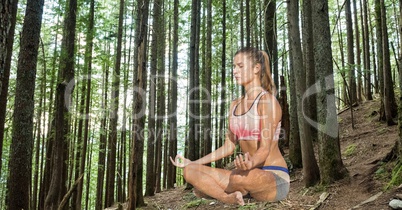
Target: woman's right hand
pixel 180 161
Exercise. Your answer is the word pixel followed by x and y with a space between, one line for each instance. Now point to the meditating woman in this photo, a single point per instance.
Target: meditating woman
pixel 254 124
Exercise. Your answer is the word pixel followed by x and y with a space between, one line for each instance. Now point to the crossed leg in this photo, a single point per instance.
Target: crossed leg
pixel 212 182
pixel 230 186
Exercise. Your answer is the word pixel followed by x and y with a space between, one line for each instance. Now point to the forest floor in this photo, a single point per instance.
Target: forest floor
pixel 363 152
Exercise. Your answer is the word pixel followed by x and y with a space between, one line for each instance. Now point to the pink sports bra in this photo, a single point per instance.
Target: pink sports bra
pixel 247 126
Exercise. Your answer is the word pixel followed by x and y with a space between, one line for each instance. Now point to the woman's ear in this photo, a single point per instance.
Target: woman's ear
pixel 257 68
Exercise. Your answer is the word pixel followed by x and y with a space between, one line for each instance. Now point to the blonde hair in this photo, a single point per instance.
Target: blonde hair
pixel 261 57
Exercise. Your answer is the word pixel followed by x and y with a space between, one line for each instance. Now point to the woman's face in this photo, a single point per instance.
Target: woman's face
pixel 244 70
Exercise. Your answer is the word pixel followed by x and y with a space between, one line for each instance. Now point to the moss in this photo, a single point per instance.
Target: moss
pixel 249 206
pixel 195 203
pixel 350 150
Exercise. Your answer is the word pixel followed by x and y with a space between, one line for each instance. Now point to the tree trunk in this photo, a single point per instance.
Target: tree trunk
pixel 66 71
pixel 295 152
pixel 135 197
pixel 248 24
pixel 193 135
pixel 221 137
pixel 86 90
pixel 351 55
pixel 390 106
pixel 366 52
pixel 111 155
pixel 207 87
pixel 283 100
pixel 151 180
pixel 310 167
pixel 102 145
pixel 307 30
pixel 161 100
pixel 8 17
pixel 331 166
pixel 399 140
pixel 20 164
pixel 358 54
pixel 173 98
pixel 380 55
pixel 270 36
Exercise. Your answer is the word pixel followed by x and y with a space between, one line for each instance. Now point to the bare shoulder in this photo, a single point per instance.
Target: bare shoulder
pixel 269 104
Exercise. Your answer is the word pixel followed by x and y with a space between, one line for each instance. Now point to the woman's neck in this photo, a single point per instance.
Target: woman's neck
pixel 252 92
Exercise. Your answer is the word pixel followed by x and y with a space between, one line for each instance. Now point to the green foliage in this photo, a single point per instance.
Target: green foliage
pixel 350 150
pixel 396 178
pixel 195 203
pixel 249 206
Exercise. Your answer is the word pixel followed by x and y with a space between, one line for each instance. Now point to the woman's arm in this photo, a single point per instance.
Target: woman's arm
pixel 271 113
pixel 225 150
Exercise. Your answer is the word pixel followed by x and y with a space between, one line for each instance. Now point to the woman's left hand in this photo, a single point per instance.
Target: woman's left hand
pixel 180 161
pixel 243 163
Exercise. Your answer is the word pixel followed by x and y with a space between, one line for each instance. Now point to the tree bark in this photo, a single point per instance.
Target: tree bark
pixel 151 158
pixel 135 197
pixel 8 18
pixel 66 77
pixel 20 164
pixel 390 106
pixel 331 166
pixel 173 98
pixel 87 92
pixel 310 167
pixel 194 109
pixel 111 155
pixel 366 52
pixel 270 36
pixel 351 54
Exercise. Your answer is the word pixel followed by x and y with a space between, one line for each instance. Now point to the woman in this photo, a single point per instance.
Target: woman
pixel 254 123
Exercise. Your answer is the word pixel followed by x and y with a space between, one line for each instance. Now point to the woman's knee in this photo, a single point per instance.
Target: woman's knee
pixel 236 179
pixel 189 171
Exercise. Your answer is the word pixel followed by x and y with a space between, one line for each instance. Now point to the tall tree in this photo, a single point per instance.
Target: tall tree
pixel 248 24
pixel 308 58
pixel 351 54
pixel 86 90
pixel 151 180
pixel 390 107
pixel 135 197
pixel 380 55
pixel 66 77
pixel 219 141
pixel 331 166
pixel 161 100
pixel 270 36
pixel 358 53
pixel 194 109
pixel 310 167
pixel 102 141
pixel 207 84
pixel 295 152
pixel 399 141
pixel 366 52
pixel 22 135
pixel 111 155
pixel 173 98
pixel 8 18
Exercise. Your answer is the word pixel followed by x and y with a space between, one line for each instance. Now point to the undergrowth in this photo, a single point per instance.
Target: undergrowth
pixel 396 176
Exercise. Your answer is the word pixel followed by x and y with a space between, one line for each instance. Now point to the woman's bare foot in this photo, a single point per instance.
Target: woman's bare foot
pixel 236 198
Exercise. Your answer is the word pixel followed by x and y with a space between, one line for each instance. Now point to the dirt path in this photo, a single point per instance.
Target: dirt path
pixel 363 150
